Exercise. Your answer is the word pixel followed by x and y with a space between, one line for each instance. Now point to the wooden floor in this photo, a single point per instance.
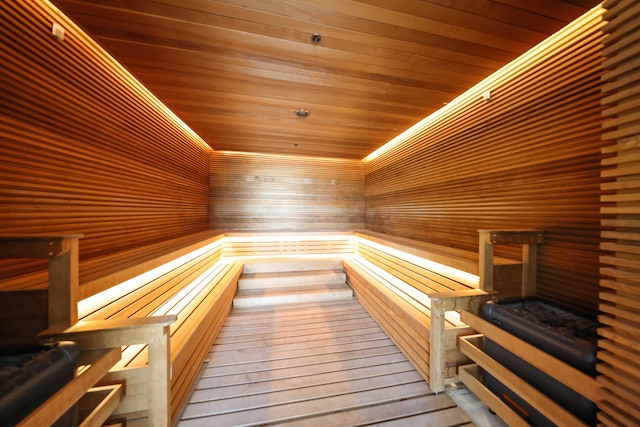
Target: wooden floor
pixel 318 364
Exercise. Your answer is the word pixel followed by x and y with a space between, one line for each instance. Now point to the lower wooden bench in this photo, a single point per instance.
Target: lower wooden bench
pixel 200 294
pixel 428 339
pixel 189 282
pixel 416 290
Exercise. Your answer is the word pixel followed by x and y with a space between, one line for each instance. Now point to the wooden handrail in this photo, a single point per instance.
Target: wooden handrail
pixel 153 331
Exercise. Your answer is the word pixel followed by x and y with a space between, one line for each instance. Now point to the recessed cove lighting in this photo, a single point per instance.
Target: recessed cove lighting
pixel 302 113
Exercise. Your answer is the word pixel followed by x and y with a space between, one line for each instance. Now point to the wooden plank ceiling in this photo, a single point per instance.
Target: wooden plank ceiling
pixel 236 70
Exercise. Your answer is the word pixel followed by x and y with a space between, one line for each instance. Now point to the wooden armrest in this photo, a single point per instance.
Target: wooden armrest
pixel 94 334
pixel 34 246
pixel 110 324
pixel 511 237
pixel 129 323
pixel 470 300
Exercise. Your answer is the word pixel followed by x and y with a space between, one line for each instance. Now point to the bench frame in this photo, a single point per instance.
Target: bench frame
pixel 438 335
pixel 440 355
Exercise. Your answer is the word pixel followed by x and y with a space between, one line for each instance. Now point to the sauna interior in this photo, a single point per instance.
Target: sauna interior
pixel 134 133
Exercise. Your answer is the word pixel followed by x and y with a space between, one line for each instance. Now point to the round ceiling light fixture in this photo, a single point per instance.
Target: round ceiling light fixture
pixel 302 113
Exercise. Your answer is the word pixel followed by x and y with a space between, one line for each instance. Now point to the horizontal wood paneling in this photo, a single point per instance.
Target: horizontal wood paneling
pixel 620 300
pixel 235 70
pixel 527 158
pixel 85 148
pixel 268 192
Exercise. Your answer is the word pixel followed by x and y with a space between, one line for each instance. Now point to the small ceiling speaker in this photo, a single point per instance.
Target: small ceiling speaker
pixel 302 113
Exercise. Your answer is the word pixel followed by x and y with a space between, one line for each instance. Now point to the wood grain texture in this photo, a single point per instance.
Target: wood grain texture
pixel 528 158
pixel 235 70
pixel 87 149
pixel 312 364
pixel 620 298
pixel 269 192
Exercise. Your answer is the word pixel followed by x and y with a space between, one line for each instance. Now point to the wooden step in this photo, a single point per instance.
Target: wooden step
pixel 292 294
pixel 290 264
pixel 282 279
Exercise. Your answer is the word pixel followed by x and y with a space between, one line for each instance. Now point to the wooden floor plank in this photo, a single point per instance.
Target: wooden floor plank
pixel 301 408
pixel 214 370
pixel 283 384
pixel 288 329
pixel 303 370
pixel 441 418
pixel 249 324
pixel 252 356
pixel 319 340
pixel 390 411
pixel 314 364
pixel 253 314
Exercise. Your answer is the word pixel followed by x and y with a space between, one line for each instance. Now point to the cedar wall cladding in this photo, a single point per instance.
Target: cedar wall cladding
pixel 527 158
pixel 85 149
pixel 268 192
pixel 620 299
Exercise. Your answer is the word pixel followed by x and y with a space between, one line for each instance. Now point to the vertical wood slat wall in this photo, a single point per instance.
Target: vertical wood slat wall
pixel 272 193
pixel 620 298
pixel 84 147
pixel 527 158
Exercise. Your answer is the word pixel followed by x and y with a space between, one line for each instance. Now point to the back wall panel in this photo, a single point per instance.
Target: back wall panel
pixel 268 193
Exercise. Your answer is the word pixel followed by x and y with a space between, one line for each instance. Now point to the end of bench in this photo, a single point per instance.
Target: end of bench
pixel 469 300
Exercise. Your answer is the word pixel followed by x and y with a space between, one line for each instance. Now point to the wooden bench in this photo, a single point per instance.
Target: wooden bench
pixel 414 290
pixel 256 245
pixel 196 282
pixel 190 282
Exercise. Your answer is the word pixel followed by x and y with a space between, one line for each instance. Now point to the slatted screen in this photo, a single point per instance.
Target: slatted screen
pixel 267 193
pixel 620 299
pixel 84 147
pixel 529 157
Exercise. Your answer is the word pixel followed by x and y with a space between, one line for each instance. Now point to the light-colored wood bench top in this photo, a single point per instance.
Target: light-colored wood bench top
pixel 105 271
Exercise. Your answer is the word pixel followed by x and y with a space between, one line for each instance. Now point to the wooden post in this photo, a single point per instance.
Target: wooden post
pixel 62 253
pixel 441 302
pixel 529 266
pixel 160 377
pixel 436 347
pixel 485 260
pixel 64 283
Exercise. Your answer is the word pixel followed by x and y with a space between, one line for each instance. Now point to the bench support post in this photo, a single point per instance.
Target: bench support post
pixel 64 282
pixel 469 300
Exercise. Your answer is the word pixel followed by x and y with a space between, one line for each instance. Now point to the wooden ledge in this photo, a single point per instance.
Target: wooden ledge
pixel 461 259
pixel 42 246
pixel 513 237
pixel 125 331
